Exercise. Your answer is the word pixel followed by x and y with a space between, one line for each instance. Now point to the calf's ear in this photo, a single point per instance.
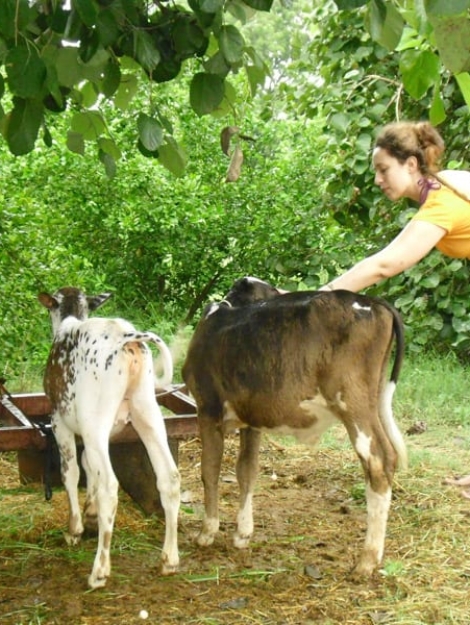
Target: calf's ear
pixel 95 301
pixel 48 301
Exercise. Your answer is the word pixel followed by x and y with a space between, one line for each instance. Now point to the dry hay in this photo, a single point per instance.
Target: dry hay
pixel 309 528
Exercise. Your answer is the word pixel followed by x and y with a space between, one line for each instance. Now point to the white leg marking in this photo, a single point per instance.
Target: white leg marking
pixel 362 444
pixel 210 527
pixel 244 531
pixel 377 514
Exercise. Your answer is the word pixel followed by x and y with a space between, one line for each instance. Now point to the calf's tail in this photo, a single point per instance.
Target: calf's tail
pixel 386 411
pixel 165 361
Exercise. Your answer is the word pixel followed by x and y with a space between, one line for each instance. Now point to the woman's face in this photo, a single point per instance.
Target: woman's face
pixel 397 180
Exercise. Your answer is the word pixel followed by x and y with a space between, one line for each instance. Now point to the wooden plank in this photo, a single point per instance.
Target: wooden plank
pixel 31 404
pixel 29 409
pixel 177 401
pixel 14 415
pixel 18 438
pixel 177 426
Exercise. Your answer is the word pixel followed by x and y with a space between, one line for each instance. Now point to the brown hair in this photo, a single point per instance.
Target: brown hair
pixel 419 139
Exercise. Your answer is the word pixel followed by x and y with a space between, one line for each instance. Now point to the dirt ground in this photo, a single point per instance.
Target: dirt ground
pixel 309 513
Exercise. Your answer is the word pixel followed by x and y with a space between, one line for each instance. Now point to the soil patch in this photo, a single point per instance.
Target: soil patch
pixel 310 521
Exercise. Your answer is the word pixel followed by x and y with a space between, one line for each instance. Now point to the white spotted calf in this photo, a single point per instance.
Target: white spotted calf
pixel 296 363
pixel 99 376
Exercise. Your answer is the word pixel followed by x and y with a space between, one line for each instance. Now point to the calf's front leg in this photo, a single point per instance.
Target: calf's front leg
pixel 212 440
pixel 247 471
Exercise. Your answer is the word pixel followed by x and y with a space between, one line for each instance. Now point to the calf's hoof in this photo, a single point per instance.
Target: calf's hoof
pixel 363 569
pixel 241 542
pixel 96 582
pixel 169 568
pixel 72 539
pixel 204 540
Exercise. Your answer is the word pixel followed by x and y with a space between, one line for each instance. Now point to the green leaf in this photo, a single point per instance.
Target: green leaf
pixel 437 112
pixel 89 45
pixel 446 7
pixel 47 137
pixel 256 77
pixel 52 86
pixel 86 10
pixel 69 70
pixel 89 123
pixel 363 143
pixel 107 28
pixel 206 92
pixel 146 152
pixel 75 142
pixel 386 24
pixel 14 16
pixel 231 43
pixel 259 5
pixel 452 35
pixel 108 162
pixel 126 91
pixel 458 309
pixel 89 95
pixel 420 70
pixel 150 132
pixel 189 39
pixel 166 70
pixel 111 79
pixel 461 325
pixel 146 51
pixel 209 6
pixel 172 157
pixel 22 125
pixel 430 282
pixel 240 11
pixel 340 121
pixel 217 65
pixel 349 5
pixel 463 80
pixel 26 72
pixel 108 146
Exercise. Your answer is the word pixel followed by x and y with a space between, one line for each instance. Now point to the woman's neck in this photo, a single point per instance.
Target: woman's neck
pixel 425 184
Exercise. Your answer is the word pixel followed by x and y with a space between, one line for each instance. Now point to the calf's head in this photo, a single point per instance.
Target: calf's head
pixel 247 290
pixel 70 302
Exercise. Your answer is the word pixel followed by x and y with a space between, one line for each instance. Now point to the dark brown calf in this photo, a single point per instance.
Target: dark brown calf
pixel 296 363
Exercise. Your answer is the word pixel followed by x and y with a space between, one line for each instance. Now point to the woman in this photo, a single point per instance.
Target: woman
pixel 406 160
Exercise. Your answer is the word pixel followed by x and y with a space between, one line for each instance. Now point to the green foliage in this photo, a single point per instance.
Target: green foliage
pixel 56 56
pixel 79 55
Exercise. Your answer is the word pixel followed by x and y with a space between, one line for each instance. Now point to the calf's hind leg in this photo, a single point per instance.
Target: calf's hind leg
pixel 148 421
pixel 70 474
pixel 247 471
pixel 106 497
pixel 379 461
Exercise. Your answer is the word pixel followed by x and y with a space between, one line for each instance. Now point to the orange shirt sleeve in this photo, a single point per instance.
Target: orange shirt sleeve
pixel 446 209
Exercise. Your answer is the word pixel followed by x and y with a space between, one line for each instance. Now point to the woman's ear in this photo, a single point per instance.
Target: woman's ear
pixel 412 164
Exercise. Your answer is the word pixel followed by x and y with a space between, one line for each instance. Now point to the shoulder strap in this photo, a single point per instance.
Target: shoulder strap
pixel 445 183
